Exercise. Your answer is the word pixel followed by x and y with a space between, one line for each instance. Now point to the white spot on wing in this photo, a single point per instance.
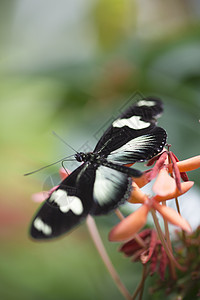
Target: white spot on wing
pixel 138 144
pixel 75 205
pixel 66 202
pixel 146 103
pixel 107 182
pixel 41 226
pixel 134 122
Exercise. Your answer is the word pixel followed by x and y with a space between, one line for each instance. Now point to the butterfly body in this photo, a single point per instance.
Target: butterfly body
pixel 103 181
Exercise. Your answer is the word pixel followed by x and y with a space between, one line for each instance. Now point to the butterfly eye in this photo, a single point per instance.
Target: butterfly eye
pixel 79 156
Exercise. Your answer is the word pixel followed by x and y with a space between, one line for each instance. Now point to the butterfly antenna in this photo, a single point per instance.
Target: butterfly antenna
pixel 60 160
pixel 64 167
pixel 61 139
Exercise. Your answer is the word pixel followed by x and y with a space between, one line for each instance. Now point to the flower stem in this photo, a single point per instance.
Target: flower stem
pixel 141 284
pixel 171 263
pixel 119 214
pixel 163 241
pixel 179 211
pixel 92 228
pixel 177 206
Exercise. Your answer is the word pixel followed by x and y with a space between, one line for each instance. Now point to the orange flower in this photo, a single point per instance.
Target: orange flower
pixel 162 161
pixel 185 186
pixel 128 227
pixel 165 187
pixel 138 196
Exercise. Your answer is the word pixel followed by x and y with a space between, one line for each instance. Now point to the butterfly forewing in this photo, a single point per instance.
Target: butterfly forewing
pixel 138 120
pixel 148 109
pixel 140 148
pixel 67 206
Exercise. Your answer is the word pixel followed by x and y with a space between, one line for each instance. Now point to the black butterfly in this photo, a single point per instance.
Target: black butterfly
pixel 103 181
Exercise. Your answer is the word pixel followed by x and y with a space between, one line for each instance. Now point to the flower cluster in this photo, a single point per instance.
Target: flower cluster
pixel 152 247
pixel 186 286
pixel 168 172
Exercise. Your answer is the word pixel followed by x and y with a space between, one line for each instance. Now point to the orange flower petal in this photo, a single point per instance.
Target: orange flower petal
pixel 143 180
pixel 164 184
pixel 63 173
pixel 187 164
pixel 185 186
pixel 128 227
pixel 129 165
pixel 40 197
pixel 137 196
pixel 170 215
pixel 44 195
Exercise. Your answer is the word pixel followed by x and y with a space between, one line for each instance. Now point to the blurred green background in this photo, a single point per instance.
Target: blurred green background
pixel 70 66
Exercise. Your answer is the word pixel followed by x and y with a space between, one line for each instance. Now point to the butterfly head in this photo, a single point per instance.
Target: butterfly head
pixel 89 156
pixel 80 156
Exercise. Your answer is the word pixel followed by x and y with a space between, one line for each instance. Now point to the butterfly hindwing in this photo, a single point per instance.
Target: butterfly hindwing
pixel 110 189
